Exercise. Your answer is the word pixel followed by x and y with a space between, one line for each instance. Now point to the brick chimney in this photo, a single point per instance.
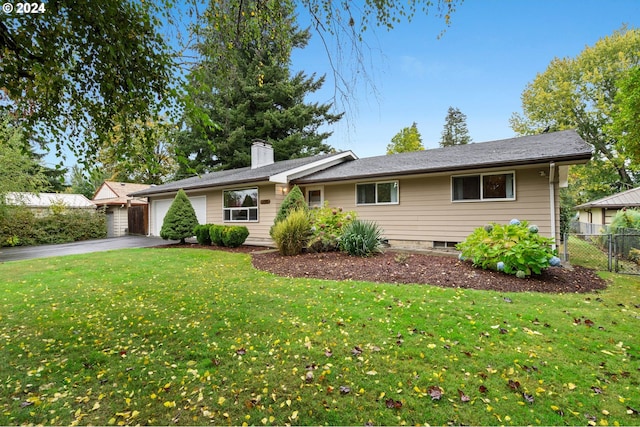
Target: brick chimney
pixel 261 154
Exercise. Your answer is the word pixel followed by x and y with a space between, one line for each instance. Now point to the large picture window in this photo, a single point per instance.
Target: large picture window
pixel 495 186
pixel 241 205
pixel 377 193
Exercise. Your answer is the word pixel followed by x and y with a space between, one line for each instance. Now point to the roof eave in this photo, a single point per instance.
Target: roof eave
pixel 567 160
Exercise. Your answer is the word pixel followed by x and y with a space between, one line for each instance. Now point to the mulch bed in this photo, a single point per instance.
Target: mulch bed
pixel 415 268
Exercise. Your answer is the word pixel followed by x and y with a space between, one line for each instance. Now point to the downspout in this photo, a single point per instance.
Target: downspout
pixel 552 200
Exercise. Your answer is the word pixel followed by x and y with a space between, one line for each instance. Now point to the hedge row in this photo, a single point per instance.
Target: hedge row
pixel 20 227
pixel 230 236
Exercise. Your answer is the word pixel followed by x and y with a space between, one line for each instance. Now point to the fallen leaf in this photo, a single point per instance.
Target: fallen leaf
pixel 482 389
pixel 435 392
pixel 527 397
pixel 344 389
pixel 393 404
pixel 463 397
pixel 514 385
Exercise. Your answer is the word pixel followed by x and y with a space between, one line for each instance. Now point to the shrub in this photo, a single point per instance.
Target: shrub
pixel 234 235
pixel 180 219
pixel 361 238
pixel 293 201
pixel 625 218
pixel 215 234
pixel 291 234
pixel 326 228
pixel 515 248
pixel 202 234
pixel 18 226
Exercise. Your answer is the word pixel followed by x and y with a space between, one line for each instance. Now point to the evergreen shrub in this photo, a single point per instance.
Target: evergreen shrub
pixel 234 235
pixel 215 234
pixel 180 220
pixel 202 234
pixel 515 248
pixel 291 234
pixel 292 201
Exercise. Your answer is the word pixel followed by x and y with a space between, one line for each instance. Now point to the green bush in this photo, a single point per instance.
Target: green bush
pixel 202 234
pixel 625 218
pixel 291 234
pixel 361 238
pixel 292 202
pixel 230 236
pixel 215 234
pixel 234 236
pixel 180 219
pixel 18 226
pixel 514 248
pixel 326 228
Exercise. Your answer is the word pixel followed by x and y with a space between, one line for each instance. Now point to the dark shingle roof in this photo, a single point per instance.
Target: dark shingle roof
pixel 625 199
pixel 546 147
pixel 233 176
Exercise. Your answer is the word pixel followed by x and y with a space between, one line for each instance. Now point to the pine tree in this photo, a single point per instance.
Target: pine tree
pixel 405 141
pixel 455 129
pixel 180 220
pixel 251 95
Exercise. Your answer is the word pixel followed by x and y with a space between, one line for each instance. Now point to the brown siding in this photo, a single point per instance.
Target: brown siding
pixel 426 213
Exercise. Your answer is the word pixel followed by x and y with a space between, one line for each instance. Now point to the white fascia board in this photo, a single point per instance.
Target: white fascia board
pixel 287 176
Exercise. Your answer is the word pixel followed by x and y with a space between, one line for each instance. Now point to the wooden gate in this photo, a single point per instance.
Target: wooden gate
pixel 138 219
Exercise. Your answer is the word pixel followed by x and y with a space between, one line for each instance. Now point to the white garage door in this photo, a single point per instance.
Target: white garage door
pixel 159 209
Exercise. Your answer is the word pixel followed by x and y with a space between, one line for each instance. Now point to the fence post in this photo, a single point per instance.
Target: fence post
pixel 610 253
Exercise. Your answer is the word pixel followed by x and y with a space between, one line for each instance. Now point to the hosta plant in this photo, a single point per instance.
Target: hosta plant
pixel 515 248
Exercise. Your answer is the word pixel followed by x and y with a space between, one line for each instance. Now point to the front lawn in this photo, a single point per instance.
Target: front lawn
pixel 184 336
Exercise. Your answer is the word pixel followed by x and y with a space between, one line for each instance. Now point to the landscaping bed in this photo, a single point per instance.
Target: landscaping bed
pixel 405 268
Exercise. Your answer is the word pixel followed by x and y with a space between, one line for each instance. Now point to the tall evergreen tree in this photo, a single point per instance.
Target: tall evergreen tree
pixel 455 130
pixel 243 90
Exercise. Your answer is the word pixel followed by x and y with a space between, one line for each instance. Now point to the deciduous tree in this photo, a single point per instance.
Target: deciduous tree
pixel 580 93
pixel 75 67
pixel 407 140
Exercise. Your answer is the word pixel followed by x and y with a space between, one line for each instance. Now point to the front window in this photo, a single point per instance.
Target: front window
pixel 241 205
pixel 377 193
pixel 495 186
pixel 314 198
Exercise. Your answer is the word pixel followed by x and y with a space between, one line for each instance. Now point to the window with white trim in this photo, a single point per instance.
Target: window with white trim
pixel 488 186
pixel 240 205
pixel 314 197
pixel 377 193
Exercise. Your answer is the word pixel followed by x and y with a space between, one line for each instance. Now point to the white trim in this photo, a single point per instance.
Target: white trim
pixel 291 174
pixel 247 208
pixel 552 200
pixel 482 198
pixel 376 183
pixel 319 188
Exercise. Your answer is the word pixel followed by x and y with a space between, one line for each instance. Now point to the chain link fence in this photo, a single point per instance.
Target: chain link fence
pixel 619 252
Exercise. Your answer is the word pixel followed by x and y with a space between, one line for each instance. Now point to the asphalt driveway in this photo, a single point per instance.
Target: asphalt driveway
pixel 87 246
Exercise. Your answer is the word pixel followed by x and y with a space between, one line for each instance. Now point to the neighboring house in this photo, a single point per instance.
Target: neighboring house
pixel 595 216
pixel 43 204
pixel 431 198
pixel 125 215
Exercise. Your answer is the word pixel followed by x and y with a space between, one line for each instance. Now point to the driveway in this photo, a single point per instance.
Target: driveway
pixel 87 246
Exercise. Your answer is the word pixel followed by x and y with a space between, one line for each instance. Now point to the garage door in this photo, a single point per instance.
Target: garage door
pixel 159 209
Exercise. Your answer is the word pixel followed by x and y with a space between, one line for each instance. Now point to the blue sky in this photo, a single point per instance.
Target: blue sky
pixel 481 65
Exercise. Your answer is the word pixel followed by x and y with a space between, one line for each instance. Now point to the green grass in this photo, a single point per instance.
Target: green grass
pixel 180 336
